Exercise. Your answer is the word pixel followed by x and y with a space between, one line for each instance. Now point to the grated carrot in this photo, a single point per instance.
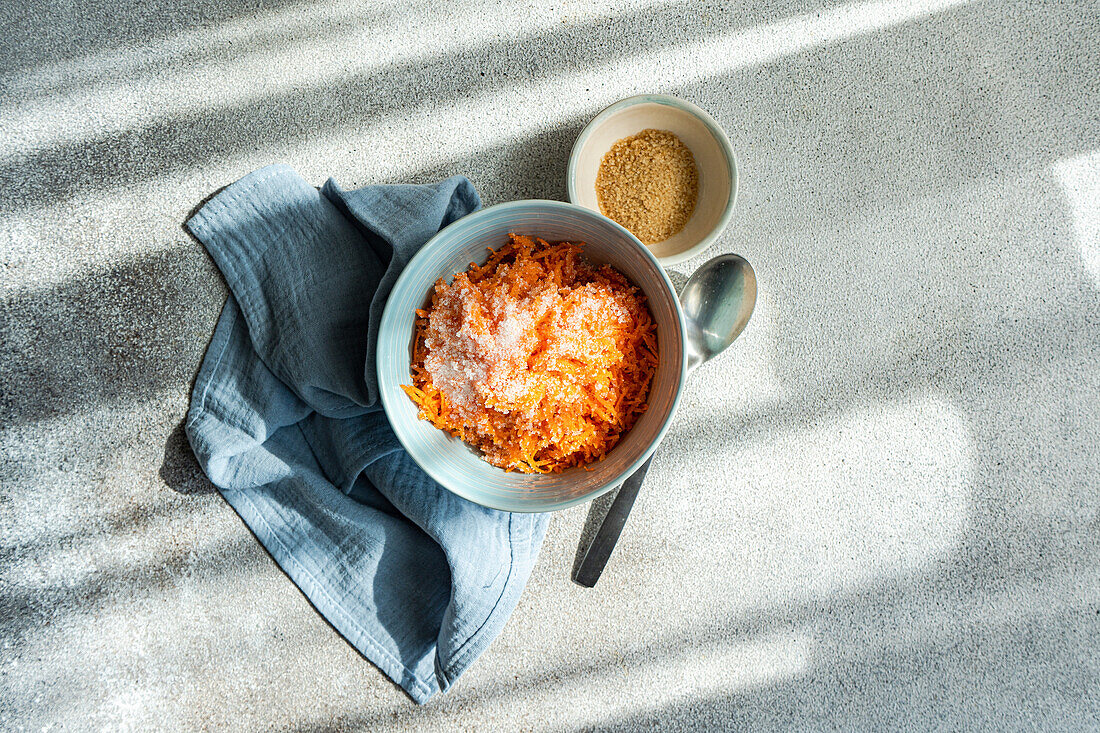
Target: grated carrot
pixel 537 358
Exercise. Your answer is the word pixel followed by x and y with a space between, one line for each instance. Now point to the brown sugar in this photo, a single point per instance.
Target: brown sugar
pixel 648 183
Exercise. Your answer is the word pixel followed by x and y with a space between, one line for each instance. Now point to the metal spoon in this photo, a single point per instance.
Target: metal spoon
pixel 717 300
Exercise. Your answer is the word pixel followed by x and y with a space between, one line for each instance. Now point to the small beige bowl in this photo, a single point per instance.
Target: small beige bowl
pixel 698 130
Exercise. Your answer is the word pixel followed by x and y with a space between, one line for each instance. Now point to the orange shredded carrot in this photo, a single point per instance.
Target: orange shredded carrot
pixel 537 358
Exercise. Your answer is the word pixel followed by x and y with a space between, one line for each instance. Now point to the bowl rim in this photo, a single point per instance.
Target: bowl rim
pixel 711 125
pixel 389 314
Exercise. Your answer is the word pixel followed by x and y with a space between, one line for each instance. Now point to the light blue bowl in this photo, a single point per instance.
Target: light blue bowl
pixel 457 466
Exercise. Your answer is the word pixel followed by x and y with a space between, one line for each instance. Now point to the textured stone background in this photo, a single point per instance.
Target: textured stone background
pixel 881 509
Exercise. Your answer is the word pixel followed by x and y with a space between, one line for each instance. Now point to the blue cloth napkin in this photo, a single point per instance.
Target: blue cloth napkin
pixel 285 420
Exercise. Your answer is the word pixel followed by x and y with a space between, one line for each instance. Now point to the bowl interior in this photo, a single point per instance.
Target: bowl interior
pixel 717 170
pixel 454 464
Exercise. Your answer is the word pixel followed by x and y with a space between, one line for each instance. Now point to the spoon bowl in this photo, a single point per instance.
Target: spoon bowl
pixel 718 301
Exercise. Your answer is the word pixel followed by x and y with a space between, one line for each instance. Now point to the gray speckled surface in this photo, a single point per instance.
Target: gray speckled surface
pixel 880 510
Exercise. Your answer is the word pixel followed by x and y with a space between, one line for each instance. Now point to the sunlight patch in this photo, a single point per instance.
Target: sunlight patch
pixel 830 504
pixel 1080 178
pixel 672 677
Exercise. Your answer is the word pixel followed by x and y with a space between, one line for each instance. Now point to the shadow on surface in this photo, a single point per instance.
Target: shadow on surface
pixel 27 610
pixel 372 99
pixel 1015 674
pixel 952 190
pixel 180 471
pixel 37 71
pixel 919 639
pixel 821 97
pixel 113 337
pixel 48 31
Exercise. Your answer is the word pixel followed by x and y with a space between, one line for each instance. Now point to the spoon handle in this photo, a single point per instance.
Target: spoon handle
pixel 588 572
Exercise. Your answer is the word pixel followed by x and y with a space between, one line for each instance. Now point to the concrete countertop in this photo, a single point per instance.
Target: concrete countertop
pixel 880 510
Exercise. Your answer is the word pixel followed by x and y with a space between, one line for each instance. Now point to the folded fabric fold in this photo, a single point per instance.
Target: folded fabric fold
pixel 285 420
